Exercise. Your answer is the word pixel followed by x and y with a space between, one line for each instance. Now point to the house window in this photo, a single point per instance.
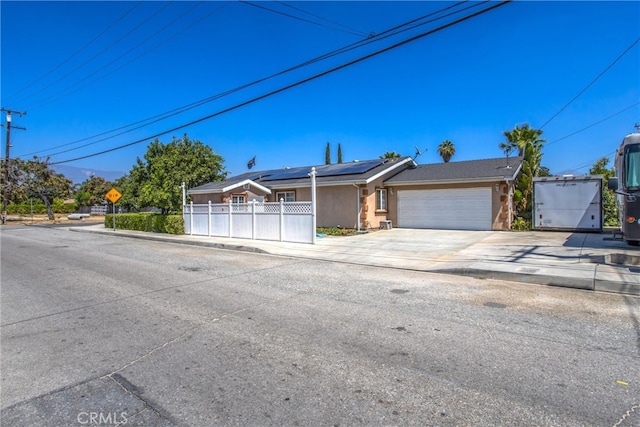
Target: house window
pixel 238 201
pixel 381 199
pixel 287 196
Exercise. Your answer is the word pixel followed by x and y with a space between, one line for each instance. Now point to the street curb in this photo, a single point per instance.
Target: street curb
pixel 179 242
pixel 538 279
pixel 591 284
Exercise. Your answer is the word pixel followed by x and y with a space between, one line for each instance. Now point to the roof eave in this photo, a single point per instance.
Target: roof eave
pixel 246 181
pixel 450 181
pixel 390 169
pixel 204 191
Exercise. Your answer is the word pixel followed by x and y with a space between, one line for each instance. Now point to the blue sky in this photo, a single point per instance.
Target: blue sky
pixel 81 69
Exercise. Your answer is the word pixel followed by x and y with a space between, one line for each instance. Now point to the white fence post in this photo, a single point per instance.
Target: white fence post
pixel 184 214
pixel 230 216
pixel 313 205
pixel 209 220
pixel 191 218
pixel 281 219
pixel 253 219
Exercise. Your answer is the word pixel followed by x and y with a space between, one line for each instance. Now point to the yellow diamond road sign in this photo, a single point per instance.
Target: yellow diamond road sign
pixel 113 195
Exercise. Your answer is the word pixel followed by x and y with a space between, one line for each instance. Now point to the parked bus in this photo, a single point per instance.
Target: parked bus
pixel 626 184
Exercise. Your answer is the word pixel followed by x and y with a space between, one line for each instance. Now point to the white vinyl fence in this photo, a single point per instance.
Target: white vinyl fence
pixel 280 221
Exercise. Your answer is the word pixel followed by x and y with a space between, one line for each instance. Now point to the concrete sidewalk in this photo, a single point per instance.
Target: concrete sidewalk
pixel 591 261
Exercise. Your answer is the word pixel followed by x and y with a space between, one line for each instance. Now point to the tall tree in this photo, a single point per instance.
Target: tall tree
pixel 528 142
pixel 327 155
pixel 126 185
pixel 609 208
pixel 92 191
pixel 446 150
pixel 390 155
pixel 339 153
pixel 156 180
pixel 17 193
pixel 37 179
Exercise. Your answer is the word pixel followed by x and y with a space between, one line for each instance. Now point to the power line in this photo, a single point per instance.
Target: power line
pixel 592 82
pixel 76 53
pixel 75 87
pixel 586 164
pixel 320 17
pixel 300 82
pixel 592 124
pixel 127 34
pixel 259 6
pixel 398 29
pixel 146 52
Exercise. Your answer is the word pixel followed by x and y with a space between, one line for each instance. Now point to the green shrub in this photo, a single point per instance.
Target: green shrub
pixel 38 208
pixel 336 231
pixel 174 224
pixel 25 209
pixel 60 207
pixel 521 224
pixel 147 221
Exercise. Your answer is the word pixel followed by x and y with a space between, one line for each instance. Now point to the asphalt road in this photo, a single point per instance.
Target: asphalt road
pixel 101 330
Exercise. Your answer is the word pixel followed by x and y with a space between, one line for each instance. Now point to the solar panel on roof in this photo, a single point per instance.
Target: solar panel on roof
pixel 347 168
pixel 293 173
pixel 325 170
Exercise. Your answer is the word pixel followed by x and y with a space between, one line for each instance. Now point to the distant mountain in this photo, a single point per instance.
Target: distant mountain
pixel 78 175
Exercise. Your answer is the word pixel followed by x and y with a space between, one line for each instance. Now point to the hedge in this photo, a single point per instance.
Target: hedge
pixel 147 221
pixel 40 209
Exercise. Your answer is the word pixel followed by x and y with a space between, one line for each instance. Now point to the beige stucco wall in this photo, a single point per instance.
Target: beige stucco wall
pixel 500 200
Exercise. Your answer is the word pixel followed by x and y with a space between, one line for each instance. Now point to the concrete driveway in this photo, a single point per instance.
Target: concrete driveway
pixel 581 260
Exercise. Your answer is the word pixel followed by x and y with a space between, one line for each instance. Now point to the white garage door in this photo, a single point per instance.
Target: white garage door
pixel 452 209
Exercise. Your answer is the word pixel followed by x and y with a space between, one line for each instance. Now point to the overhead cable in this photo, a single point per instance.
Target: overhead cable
pixel 102 52
pixel 592 82
pixel 261 6
pixel 320 17
pixel 592 124
pixel 75 86
pixel 398 29
pixel 76 53
pixel 298 83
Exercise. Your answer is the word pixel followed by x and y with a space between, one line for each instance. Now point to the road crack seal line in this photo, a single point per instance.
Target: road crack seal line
pixel 133 362
pixel 133 391
pixel 627 415
pixel 240 310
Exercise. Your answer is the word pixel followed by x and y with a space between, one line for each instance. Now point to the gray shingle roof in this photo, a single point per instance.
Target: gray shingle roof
pixel 472 170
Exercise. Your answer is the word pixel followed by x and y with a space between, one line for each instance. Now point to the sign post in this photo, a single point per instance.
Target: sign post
pixel 113 195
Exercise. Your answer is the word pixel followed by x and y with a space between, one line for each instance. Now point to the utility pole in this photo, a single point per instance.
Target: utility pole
pixel 5 193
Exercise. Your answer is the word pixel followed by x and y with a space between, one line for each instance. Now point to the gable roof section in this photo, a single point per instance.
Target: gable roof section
pixel 224 186
pixel 484 170
pixel 349 173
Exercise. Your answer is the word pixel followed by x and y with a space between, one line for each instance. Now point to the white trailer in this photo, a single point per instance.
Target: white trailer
pixel 568 203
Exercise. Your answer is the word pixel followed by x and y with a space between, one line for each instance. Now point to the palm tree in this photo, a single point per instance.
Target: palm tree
pixel 529 145
pixel 522 138
pixel 446 150
pixel 391 155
